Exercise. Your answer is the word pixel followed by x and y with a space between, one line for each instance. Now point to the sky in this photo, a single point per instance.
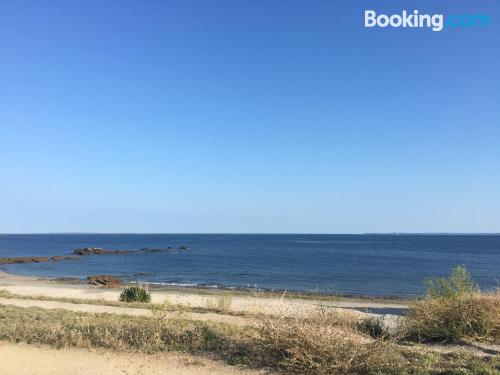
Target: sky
pixel 246 116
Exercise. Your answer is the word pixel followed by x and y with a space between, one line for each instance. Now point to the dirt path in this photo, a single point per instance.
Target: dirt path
pixel 22 359
pixel 82 307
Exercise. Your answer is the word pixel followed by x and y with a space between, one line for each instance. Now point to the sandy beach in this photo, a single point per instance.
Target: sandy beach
pixel 240 302
pixel 33 292
pixel 243 187
pixel 43 360
pixel 195 305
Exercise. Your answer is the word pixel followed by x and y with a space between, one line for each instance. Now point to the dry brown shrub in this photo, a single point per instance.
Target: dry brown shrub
pixel 472 316
pixel 325 342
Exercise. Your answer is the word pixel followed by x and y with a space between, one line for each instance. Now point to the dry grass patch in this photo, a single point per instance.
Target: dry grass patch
pixel 60 328
pixel 373 326
pixel 213 306
pixel 454 309
pixel 471 316
pixel 460 362
pixel 324 343
pixel 221 303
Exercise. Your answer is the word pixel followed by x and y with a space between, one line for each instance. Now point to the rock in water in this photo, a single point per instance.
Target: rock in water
pixel 58 258
pixel 23 260
pixel 97 250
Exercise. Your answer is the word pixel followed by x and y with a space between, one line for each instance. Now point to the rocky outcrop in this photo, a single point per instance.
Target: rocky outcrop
pixel 20 260
pixel 97 251
pixel 155 250
pixel 85 251
pixel 59 258
pixel 24 260
pixel 107 281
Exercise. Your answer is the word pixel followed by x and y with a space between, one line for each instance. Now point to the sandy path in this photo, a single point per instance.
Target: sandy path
pixel 82 307
pixel 22 359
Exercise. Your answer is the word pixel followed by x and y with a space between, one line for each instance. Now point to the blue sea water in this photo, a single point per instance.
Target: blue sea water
pixel 368 265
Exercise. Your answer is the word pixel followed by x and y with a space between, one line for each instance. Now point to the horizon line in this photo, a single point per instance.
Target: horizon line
pixel 254 233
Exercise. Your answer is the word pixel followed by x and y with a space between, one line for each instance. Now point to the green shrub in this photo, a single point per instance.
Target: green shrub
pixel 454 309
pixel 135 294
pixel 475 316
pixel 458 283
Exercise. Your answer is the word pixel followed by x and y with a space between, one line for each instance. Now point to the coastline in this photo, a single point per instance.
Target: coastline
pixel 218 288
pixel 360 267
pixel 242 300
pixel 36 304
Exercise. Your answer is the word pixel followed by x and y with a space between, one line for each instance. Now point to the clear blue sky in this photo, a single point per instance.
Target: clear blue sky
pixel 246 116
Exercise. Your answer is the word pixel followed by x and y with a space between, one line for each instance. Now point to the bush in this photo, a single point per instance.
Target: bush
pixel 135 294
pixel 373 326
pixel 469 316
pixel 454 309
pixel 458 283
pixel 323 343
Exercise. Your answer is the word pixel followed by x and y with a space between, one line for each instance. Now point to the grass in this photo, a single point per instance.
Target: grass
pixel 102 302
pixel 465 317
pixel 260 293
pixel 322 343
pixel 221 304
pixel 454 309
pixel 167 306
pixel 460 362
pixel 135 294
pixel 61 328
pixel 373 326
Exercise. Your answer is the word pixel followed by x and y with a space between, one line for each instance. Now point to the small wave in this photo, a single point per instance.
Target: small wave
pixel 174 284
pixel 333 241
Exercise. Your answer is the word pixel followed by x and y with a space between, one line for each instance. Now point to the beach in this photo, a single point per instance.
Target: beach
pixel 45 293
pixel 61 299
pixel 249 188
pixel 241 302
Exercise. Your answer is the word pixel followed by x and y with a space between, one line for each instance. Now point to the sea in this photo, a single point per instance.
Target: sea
pixel 372 265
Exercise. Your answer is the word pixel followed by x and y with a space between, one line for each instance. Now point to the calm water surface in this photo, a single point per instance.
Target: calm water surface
pixel 372 265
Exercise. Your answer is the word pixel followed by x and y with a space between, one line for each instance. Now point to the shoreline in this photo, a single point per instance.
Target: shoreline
pixel 216 289
pixel 77 254
pixel 43 303
pixel 241 301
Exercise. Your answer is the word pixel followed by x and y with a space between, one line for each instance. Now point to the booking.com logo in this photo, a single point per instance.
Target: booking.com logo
pixel 415 19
